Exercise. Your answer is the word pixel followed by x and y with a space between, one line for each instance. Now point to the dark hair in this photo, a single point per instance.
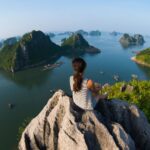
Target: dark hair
pixel 79 66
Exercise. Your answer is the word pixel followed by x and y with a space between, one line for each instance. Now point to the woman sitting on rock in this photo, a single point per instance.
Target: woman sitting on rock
pixel 84 91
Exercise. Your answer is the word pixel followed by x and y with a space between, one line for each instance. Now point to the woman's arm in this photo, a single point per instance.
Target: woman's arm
pixel 94 87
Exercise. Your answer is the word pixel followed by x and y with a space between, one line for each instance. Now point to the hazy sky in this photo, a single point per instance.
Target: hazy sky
pixel 20 16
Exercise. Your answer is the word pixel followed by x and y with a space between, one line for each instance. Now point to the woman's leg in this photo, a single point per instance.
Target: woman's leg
pixel 100 101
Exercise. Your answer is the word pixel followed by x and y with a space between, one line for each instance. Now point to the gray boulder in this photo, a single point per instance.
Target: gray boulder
pixel 64 126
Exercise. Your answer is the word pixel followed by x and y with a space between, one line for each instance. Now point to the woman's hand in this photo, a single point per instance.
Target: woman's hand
pixel 94 87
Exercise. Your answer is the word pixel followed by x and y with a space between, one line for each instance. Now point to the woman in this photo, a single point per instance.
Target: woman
pixel 85 92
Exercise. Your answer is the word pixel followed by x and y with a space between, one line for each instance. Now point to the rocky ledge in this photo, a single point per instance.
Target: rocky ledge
pixel 62 125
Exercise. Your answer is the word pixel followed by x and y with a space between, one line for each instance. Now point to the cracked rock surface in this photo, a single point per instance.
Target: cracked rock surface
pixel 63 126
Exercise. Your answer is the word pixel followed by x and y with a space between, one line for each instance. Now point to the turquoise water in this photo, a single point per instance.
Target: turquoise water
pixel 29 90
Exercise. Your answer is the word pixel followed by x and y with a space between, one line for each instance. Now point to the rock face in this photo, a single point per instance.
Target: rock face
pixel 32 49
pixel 127 40
pixel 76 44
pixel 62 125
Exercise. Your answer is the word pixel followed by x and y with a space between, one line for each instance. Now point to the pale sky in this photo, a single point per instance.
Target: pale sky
pixel 20 16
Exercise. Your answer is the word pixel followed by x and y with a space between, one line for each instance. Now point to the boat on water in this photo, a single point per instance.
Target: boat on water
pixel 52 66
pixel 116 77
pixel 134 76
pixel 101 72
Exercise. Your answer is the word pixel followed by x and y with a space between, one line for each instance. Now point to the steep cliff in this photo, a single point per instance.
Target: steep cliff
pixel 33 48
pixel 76 44
pixel 62 125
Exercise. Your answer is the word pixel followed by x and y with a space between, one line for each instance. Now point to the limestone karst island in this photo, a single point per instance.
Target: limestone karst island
pixel 74 75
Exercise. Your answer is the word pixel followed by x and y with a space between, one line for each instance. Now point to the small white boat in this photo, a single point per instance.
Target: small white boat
pixel 134 76
pixel 51 66
pixel 101 72
pixel 116 77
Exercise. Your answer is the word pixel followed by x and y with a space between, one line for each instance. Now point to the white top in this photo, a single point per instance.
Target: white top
pixel 83 98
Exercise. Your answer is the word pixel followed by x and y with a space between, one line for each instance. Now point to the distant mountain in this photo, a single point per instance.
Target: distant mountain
pixel 32 49
pixel 66 33
pixel 114 33
pixel 36 48
pixel 82 32
pixel 51 35
pixel 10 41
pixel 127 40
pixel 77 44
pixel 95 33
pixel 1 44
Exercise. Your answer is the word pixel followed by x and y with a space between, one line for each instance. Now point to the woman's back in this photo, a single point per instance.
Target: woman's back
pixel 83 98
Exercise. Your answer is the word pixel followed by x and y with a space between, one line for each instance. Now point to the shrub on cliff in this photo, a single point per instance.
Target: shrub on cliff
pixel 140 95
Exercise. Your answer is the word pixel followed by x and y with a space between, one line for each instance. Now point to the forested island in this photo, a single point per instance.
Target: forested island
pixel 82 32
pixel 126 40
pixel 143 57
pixel 95 33
pixel 36 48
pixel 77 44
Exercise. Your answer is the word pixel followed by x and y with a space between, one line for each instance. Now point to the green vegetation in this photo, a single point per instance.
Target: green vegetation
pixel 75 41
pixel 8 56
pixel 139 96
pixel 33 48
pixel 77 45
pixel 144 56
pixel 36 48
pixel 22 127
pixel 39 46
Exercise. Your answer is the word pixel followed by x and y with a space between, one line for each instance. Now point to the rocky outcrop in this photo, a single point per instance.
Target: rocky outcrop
pixel 76 44
pixel 127 40
pixel 62 125
pixel 32 49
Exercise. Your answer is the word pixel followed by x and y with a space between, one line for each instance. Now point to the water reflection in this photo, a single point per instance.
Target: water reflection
pixel 145 70
pixel 130 46
pixel 30 77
